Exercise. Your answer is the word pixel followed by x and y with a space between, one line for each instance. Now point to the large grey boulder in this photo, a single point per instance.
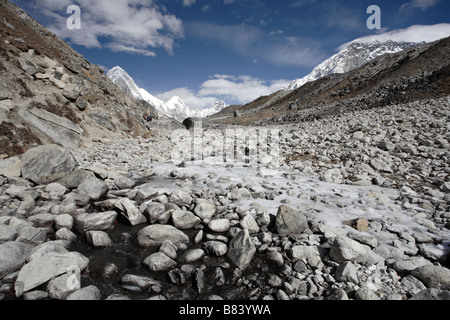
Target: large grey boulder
pixel 432 294
pixel 13 255
pixel 155 235
pixel 46 160
pixel 433 276
pixel 43 269
pixel 290 221
pixel 241 249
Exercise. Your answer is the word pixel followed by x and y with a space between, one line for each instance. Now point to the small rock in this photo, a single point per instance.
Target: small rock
pixel 154 235
pixel 159 262
pixel 215 247
pixel 219 225
pixel 98 239
pixel 241 249
pixel 185 219
pixel 89 293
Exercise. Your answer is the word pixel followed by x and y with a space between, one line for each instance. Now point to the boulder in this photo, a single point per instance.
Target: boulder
pixel 219 225
pixel 215 247
pixel 132 282
pixel 98 238
pixel 346 249
pixel 241 249
pixel 7 233
pixel 145 192
pixel 94 188
pixel 240 193
pixel 205 209
pixel 248 222
pixel 43 269
pixel 95 221
pixel 433 276
pixel 159 261
pixel 46 160
pixel 58 289
pixel 180 198
pixel 13 255
pixel 432 294
pixel 154 235
pixel 290 221
pixel 10 167
pixel 190 123
pixel 130 211
pixel 89 293
pixel 185 219
pixel 154 210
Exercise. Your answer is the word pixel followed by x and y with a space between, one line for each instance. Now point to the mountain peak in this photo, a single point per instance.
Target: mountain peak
pixel 351 56
pixel 174 108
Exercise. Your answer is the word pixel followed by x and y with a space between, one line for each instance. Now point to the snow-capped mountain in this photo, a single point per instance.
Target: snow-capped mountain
pixel 352 56
pixel 124 81
pixel 174 108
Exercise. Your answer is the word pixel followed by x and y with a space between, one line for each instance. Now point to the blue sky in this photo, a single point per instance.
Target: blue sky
pixel 232 50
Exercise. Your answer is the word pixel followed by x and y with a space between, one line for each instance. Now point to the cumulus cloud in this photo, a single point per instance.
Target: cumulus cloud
pixel 241 89
pixel 189 97
pixel 134 26
pixel 232 89
pixel 416 33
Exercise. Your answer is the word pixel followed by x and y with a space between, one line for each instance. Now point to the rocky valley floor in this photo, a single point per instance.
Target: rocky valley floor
pixel 357 207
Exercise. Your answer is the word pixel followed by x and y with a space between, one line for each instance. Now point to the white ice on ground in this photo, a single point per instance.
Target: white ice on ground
pixel 330 204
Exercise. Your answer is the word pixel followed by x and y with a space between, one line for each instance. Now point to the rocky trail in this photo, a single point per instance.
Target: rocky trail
pixel 357 208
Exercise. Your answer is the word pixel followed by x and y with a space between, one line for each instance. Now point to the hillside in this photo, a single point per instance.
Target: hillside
pixel 49 93
pixel 417 73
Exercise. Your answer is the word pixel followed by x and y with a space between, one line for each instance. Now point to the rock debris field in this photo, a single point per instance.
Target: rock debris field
pixel 357 209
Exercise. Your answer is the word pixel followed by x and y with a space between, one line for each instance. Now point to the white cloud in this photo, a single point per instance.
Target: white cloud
pixel 132 26
pixel 188 3
pixel 232 89
pixel 420 4
pixel 190 98
pixel 241 89
pixel 416 33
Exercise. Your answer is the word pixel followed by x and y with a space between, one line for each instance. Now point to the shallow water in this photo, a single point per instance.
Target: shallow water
pixel 128 257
